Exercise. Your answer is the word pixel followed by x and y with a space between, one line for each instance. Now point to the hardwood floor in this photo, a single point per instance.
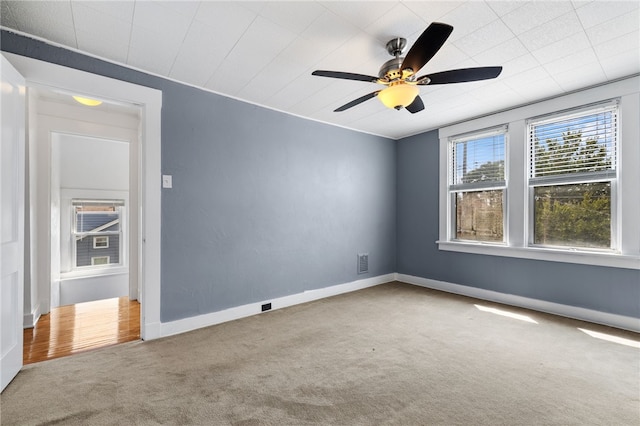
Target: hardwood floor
pixel 67 330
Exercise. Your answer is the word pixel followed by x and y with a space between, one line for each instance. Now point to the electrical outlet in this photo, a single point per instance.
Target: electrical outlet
pixel 167 181
pixel 266 307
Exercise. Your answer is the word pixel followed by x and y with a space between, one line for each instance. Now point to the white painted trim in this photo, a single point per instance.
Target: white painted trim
pixel 629 174
pixel 31 318
pixel 213 318
pixel 45 74
pixel 609 259
pixel 583 314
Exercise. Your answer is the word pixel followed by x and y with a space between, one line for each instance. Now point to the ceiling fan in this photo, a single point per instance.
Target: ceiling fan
pixel 399 74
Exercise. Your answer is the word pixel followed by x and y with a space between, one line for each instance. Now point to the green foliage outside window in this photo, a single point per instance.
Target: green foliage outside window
pixel 576 214
pixel 570 155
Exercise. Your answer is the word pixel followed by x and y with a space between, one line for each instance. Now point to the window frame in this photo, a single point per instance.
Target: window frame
pixel 120 205
pixel 453 188
pixel 98 246
pixel 610 176
pixel 613 247
pixel 624 209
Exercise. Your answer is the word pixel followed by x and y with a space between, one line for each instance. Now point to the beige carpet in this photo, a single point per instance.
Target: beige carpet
pixel 393 354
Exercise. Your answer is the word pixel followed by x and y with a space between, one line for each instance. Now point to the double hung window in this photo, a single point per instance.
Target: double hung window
pixel 572 176
pixel 477 186
pixel 97 233
pixel 555 180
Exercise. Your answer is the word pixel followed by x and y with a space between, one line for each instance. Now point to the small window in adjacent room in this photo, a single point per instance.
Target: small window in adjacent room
pixel 100 242
pixel 477 186
pixel 97 233
pixel 572 178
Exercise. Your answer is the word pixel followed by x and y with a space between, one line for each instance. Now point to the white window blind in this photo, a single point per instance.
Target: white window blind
pixel 477 161
pixel 582 142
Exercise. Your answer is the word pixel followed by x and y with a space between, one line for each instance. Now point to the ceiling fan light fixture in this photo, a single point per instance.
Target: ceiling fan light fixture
pixel 399 74
pixel 398 95
pixel 87 101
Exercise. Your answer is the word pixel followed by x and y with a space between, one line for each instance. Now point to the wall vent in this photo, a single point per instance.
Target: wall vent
pixel 363 263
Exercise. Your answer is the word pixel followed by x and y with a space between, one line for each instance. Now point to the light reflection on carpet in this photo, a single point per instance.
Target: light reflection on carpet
pixel 505 313
pixel 611 338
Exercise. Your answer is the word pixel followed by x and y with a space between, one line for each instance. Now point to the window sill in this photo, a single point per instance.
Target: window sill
pixel 613 260
pixel 94 272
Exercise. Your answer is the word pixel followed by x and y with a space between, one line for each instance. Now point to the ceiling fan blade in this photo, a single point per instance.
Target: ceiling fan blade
pixel 355 102
pixel 427 45
pixel 416 106
pixel 461 75
pixel 346 76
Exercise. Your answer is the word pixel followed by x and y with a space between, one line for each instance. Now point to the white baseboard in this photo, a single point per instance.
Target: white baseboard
pixel 213 318
pixel 150 331
pixel 29 320
pixel 192 323
pixel 604 318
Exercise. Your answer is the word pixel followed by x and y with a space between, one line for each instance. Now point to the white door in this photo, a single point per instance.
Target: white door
pixel 12 169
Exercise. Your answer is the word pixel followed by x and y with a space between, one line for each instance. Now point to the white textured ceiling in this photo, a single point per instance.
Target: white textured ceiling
pixel 264 51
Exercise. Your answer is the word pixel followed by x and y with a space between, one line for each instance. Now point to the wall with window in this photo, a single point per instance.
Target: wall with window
pixel 473 222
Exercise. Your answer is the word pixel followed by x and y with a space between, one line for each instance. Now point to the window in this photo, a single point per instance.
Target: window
pixel 572 178
pixel 100 260
pixel 97 232
pixel 568 180
pixel 100 242
pixel 477 186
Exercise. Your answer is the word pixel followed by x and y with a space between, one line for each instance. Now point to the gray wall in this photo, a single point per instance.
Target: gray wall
pixel 611 290
pixel 263 204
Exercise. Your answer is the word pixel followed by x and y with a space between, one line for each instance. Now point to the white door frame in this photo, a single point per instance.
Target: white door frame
pixel 45 74
pixel 12 182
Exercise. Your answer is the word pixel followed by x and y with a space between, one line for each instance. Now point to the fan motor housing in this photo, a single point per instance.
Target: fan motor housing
pixel 391 69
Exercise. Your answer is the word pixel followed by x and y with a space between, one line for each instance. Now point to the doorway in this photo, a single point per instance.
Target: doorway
pixel 37 297
pixel 93 196
pixel 31 288
pixel 90 155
